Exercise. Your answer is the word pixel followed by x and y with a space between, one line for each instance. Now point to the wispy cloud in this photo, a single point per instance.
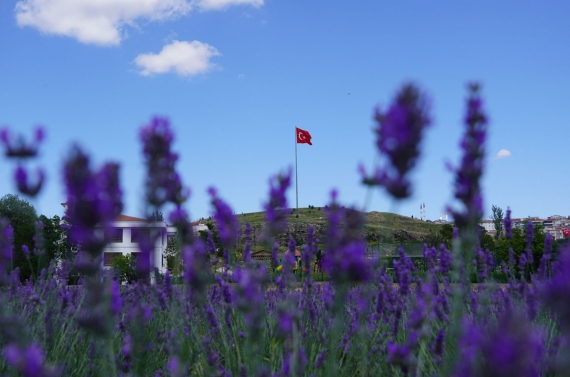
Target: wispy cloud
pixel 503 153
pixel 184 58
pixel 222 4
pixel 97 22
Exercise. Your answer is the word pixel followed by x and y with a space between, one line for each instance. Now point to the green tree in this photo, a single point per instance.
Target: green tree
pixel 173 256
pixel 443 236
pixel 518 243
pixel 215 237
pixel 156 216
pixel 22 216
pixel 485 240
pixel 497 218
pixel 55 239
pixel 125 268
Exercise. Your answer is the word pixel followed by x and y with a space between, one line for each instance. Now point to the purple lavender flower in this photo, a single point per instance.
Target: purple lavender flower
pixel 345 249
pixel 26 251
pixel 212 320
pixel 529 237
pixel 226 221
pixel 512 349
pixel 468 174
pixel 20 148
pixel 127 350
pixel 400 355
pixel 468 345
pixel 403 269
pixel 25 187
pixel 522 265
pixel 508 224
pixel 430 256
pixel 196 269
pixel 173 366
pixel 545 260
pixel 275 255
pixel 248 297
pixel 247 247
pixel 116 302
pixel 163 183
pixel 400 131
pixel 94 200
pixel 445 258
pixel 39 238
pixel 29 361
pixel 482 263
pixel 320 359
pixel 6 247
pixel 308 253
pixel 511 261
pixel 275 208
pixel 556 291
pixel 168 284
pixel 439 344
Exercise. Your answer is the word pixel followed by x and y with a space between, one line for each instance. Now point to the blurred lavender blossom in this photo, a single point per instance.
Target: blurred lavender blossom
pixel 400 131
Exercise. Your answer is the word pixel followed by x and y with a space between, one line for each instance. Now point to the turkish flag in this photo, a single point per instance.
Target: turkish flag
pixel 303 137
pixel 566 232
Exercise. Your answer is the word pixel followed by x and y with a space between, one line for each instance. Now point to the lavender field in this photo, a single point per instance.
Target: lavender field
pixel 369 320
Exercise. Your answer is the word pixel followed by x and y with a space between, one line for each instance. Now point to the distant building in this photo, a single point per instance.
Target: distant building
pixel 125 232
pixel 553 225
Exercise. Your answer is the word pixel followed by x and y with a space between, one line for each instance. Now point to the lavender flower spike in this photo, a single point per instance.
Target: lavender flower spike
pixel 468 174
pixel 29 362
pixel 227 224
pixel 25 187
pixel 6 247
pixel 400 131
pixel 275 214
pixel 163 184
pixel 508 224
pixel 20 148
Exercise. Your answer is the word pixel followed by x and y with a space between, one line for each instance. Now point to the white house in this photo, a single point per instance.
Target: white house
pixel 124 235
pixel 126 230
pixel 122 238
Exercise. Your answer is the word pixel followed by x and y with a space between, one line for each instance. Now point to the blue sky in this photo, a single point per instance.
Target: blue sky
pixel 236 77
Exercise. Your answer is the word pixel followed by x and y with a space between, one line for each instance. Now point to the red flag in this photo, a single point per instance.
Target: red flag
pixel 566 232
pixel 303 137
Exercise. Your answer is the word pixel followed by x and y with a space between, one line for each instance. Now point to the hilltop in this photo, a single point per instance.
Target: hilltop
pixel 379 226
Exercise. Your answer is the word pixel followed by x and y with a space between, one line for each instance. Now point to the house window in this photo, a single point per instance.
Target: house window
pixel 140 234
pixel 108 258
pixel 115 235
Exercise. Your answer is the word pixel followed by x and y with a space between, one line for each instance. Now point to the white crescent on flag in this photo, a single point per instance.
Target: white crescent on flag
pixel 303 137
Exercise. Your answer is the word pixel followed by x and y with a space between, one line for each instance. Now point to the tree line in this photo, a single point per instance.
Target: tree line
pixel 38 240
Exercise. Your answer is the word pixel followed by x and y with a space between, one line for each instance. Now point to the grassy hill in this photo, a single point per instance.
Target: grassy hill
pixel 379 226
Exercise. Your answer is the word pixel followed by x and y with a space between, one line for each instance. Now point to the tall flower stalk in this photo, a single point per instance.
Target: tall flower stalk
pixel 399 130
pixel 468 192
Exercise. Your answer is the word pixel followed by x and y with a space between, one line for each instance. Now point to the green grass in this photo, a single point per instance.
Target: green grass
pixel 383 221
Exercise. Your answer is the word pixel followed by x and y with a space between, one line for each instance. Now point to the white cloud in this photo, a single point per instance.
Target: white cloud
pixel 503 153
pixel 184 58
pixel 98 22
pixel 221 4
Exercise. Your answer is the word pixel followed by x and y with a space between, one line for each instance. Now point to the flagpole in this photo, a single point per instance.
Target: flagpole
pixel 296 181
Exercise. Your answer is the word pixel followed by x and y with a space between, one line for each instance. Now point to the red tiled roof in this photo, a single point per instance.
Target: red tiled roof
pixel 128 218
